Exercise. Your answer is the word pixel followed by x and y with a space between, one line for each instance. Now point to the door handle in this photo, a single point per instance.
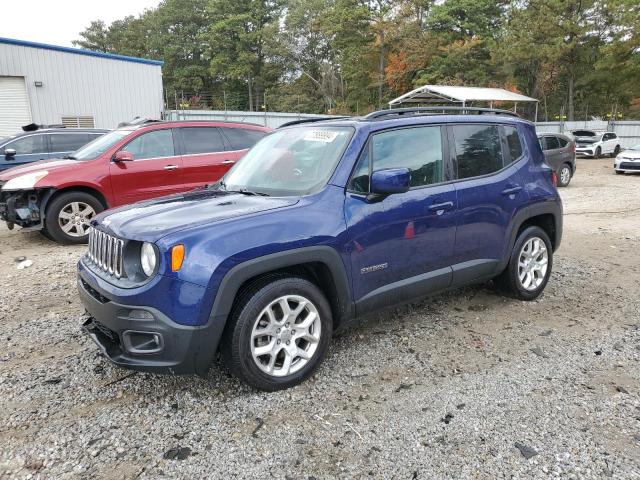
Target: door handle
pixel 511 190
pixel 171 167
pixel 440 208
pixel 228 161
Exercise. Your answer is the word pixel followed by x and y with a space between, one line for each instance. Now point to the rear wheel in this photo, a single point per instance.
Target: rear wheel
pixel 598 153
pixel 69 215
pixel 529 266
pixel 616 151
pixel 278 333
pixel 564 175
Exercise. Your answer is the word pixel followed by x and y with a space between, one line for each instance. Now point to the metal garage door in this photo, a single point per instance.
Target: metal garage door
pixel 14 105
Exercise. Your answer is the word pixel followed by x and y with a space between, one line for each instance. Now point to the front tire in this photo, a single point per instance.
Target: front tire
pixel 619 172
pixel 564 175
pixel 68 216
pixel 529 267
pixel 278 332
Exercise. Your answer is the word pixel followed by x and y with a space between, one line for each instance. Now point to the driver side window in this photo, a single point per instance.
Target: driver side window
pixel 156 144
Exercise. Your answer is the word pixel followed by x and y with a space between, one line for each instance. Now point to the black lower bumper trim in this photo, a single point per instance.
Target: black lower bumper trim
pixel 143 338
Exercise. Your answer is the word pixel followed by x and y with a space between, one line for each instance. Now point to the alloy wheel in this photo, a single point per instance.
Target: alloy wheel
pixel 285 335
pixel 565 175
pixel 533 262
pixel 74 218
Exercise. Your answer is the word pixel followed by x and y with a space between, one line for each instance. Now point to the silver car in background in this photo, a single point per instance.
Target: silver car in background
pixel 628 161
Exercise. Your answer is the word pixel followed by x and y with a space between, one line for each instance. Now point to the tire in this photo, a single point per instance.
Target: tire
pixel 616 151
pixel 564 175
pixel 509 281
pixel 597 153
pixel 619 172
pixel 242 341
pixel 68 215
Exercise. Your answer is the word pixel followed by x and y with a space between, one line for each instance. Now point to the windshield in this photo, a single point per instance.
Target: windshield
pixel 94 149
pixel 294 161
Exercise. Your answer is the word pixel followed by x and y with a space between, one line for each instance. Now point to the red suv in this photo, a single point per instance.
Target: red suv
pixel 132 163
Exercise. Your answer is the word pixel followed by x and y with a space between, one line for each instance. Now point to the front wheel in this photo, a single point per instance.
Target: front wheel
pixel 278 333
pixel 529 267
pixel 564 175
pixel 68 216
pixel 619 172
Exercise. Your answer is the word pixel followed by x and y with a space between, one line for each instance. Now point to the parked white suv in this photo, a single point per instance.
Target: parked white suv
pixel 595 143
pixel 628 160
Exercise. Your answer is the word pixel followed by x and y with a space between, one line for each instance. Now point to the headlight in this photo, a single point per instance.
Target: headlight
pixel 25 181
pixel 148 259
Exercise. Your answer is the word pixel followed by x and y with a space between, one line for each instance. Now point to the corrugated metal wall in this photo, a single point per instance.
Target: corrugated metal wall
pixel 627 130
pixel 79 85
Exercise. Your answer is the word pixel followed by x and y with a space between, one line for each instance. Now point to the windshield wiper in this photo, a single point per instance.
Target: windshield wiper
pixel 69 157
pixel 244 191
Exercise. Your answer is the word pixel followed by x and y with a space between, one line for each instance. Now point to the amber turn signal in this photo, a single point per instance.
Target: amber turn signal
pixel 177 257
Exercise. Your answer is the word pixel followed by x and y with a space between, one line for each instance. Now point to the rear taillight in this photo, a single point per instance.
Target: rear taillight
pixel 554 178
pixel 573 147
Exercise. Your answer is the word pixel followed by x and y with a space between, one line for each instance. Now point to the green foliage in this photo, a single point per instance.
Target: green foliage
pixel 581 58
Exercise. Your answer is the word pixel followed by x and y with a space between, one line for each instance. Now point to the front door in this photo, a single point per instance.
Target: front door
pixel 29 148
pixel 401 245
pixel 490 190
pixel 155 170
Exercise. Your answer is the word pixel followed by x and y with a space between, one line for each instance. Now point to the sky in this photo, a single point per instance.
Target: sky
pixel 58 22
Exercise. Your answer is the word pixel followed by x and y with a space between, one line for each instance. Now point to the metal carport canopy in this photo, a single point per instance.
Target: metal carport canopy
pixel 457 94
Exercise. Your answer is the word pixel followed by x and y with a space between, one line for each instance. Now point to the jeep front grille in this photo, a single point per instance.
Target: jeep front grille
pixel 106 252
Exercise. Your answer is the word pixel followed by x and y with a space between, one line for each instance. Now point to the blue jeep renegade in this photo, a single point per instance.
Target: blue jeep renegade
pixel 320 223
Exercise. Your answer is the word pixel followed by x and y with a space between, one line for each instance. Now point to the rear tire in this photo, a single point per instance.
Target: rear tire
pixel 597 153
pixel 616 151
pixel 564 175
pixel 278 332
pixel 68 216
pixel 529 267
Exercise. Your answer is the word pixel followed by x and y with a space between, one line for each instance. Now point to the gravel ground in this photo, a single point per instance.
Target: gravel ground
pixel 465 385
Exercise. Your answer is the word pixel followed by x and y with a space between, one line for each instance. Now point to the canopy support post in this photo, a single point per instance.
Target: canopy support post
pixel 536 117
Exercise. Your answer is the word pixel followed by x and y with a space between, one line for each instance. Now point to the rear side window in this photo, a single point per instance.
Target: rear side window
pixel 242 138
pixel 563 142
pixel 478 150
pixel 27 145
pixel 513 143
pixel 201 140
pixel 67 142
pixel 552 143
pixel 155 144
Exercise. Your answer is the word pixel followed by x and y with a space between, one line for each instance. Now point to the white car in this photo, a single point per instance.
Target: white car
pixel 628 160
pixel 595 143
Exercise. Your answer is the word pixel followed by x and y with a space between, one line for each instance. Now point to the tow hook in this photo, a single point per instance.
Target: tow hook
pixel 10 225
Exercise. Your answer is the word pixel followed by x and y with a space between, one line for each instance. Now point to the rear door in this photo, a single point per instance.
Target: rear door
pixel 28 148
pixel 552 151
pixel 204 155
pixel 63 144
pixel 491 169
pixel 155 171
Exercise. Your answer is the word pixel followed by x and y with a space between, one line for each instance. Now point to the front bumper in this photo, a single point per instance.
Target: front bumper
pixel 23 207
pixel 585 152
pixel 143 338
pixel 627 165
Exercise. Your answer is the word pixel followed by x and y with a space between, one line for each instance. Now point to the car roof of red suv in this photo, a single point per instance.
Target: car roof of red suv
pixel 152 124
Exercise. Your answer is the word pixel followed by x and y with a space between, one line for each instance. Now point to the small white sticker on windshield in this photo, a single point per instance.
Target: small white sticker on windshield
pixel 325 136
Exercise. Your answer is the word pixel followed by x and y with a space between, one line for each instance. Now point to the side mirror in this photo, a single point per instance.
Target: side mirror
pixel 9 153
pixel 123 156
pixel 390 181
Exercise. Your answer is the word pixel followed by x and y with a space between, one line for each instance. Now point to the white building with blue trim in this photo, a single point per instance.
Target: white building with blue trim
pixel 49 84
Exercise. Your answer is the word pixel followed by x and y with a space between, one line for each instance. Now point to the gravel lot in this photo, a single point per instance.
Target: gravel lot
pixel 465 385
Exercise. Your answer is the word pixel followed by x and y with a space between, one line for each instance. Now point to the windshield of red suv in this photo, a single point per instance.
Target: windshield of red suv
pixel 94 149
pixel 290 162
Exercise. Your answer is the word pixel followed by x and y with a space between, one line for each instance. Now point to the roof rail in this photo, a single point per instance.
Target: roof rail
pixel 32 127
pixel 310 120
pixel 401 112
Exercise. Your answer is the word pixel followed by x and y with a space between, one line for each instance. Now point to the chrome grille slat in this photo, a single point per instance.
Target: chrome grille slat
pixel 106 252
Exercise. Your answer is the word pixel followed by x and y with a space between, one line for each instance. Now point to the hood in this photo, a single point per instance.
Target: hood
pixel 587 140
pixel 50 165
pixel 635 154
pixel 154 219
